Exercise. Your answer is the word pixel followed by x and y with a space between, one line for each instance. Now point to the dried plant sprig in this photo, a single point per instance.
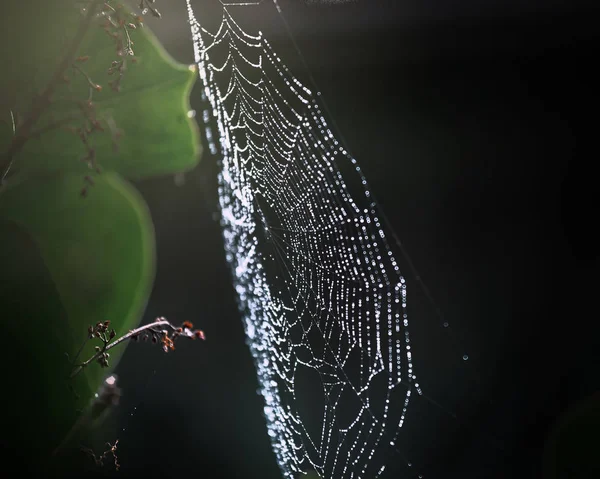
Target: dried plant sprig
pixel 160 330
pixel 99 460
pixel 117 21
pixel 117 24
pixel 40 102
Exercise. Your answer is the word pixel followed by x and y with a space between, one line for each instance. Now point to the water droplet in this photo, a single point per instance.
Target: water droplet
pixel 446 324
pixel 465 357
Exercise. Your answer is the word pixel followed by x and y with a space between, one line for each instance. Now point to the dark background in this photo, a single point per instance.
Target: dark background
pixel 476 127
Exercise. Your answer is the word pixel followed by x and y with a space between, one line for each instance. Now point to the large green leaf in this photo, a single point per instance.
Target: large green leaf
pixel 151 108
pixel 99 254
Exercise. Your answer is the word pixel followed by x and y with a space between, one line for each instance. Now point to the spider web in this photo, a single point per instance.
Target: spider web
pixel 322 296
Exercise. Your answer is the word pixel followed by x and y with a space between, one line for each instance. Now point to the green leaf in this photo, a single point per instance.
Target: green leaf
pixel 151 109
pixel 69 262
pixel 99 254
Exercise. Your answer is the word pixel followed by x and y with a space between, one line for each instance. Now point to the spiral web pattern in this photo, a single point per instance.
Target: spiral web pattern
pixel 321 294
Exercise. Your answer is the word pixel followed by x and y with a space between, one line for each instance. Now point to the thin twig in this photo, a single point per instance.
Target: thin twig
pixel 99 460
pixel 92 85
pixel 14 124
pixel 14 130
pixel 80 349
pixel 134 333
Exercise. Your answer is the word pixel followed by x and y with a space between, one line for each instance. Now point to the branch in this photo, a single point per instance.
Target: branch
pixel 168 337
pixel 41 102
pixel 99 460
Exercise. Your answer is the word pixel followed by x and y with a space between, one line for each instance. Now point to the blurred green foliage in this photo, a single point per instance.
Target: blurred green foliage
pixel 69 260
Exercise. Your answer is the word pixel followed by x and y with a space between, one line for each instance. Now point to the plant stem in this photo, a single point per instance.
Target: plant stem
pixel 108 346
pixel 41 102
